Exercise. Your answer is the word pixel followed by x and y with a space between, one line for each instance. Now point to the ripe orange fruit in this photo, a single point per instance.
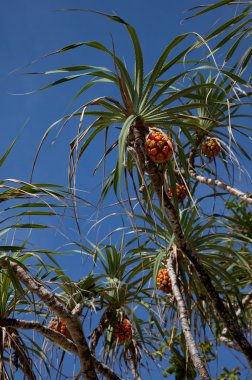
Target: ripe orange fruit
pixel 164 281
pixel 159 146
pixel 181 192
pixel 122 331
pixel 60 326
pixel 210 148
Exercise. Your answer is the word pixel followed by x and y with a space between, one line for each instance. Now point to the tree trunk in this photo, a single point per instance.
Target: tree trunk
pixel 183 316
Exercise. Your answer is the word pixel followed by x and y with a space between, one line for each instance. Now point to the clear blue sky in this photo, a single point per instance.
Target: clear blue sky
pixel 29 30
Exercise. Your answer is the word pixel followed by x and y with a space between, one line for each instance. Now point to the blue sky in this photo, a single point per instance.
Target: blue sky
pixel 30 30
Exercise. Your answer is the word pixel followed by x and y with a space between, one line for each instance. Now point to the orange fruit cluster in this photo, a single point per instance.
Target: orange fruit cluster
pixel 122 331
pixel 159 147
pixel 59 326
pixel 164 281
pixel 181 192
pixel 210 148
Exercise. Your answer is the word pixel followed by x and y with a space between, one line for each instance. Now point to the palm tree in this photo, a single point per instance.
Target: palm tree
pixel 177 258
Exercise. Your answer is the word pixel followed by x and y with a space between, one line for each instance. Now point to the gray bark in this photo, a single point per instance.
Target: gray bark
pixel 183 316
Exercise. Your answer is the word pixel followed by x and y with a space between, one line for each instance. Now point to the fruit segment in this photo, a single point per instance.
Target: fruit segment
pixel 122 331
pixel 181 192
pixel 159 147
pixel 59 326
pixel 210 148
pixel 164 281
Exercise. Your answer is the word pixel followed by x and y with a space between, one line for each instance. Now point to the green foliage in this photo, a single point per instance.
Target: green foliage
pixel 240 220
pixel 229 375
pixel 181 364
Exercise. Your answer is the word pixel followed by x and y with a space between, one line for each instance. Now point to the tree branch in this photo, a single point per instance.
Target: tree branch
pixel 222 185
pixel 133 362
pixel 73 322
pixel 183 315
pixel 228 342
pixel 211 181
pixel 223 338
pixel 245 301
pixel 98 331
pixel 58 339
pixel 138 130
pixel 104 370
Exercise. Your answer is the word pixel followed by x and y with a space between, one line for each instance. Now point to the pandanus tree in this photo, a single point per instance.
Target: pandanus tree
pixel 180 275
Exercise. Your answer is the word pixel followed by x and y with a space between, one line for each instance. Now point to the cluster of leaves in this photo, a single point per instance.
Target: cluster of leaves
pixel 23 207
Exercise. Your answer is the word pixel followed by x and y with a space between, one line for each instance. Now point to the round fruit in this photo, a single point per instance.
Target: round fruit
pixel 59 326
pixel 122 331
pixel 159 147
pixel 210 148
pixel 181 192
pixel 164 281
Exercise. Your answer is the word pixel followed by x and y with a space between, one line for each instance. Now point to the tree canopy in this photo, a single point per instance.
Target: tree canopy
pixel 169 284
